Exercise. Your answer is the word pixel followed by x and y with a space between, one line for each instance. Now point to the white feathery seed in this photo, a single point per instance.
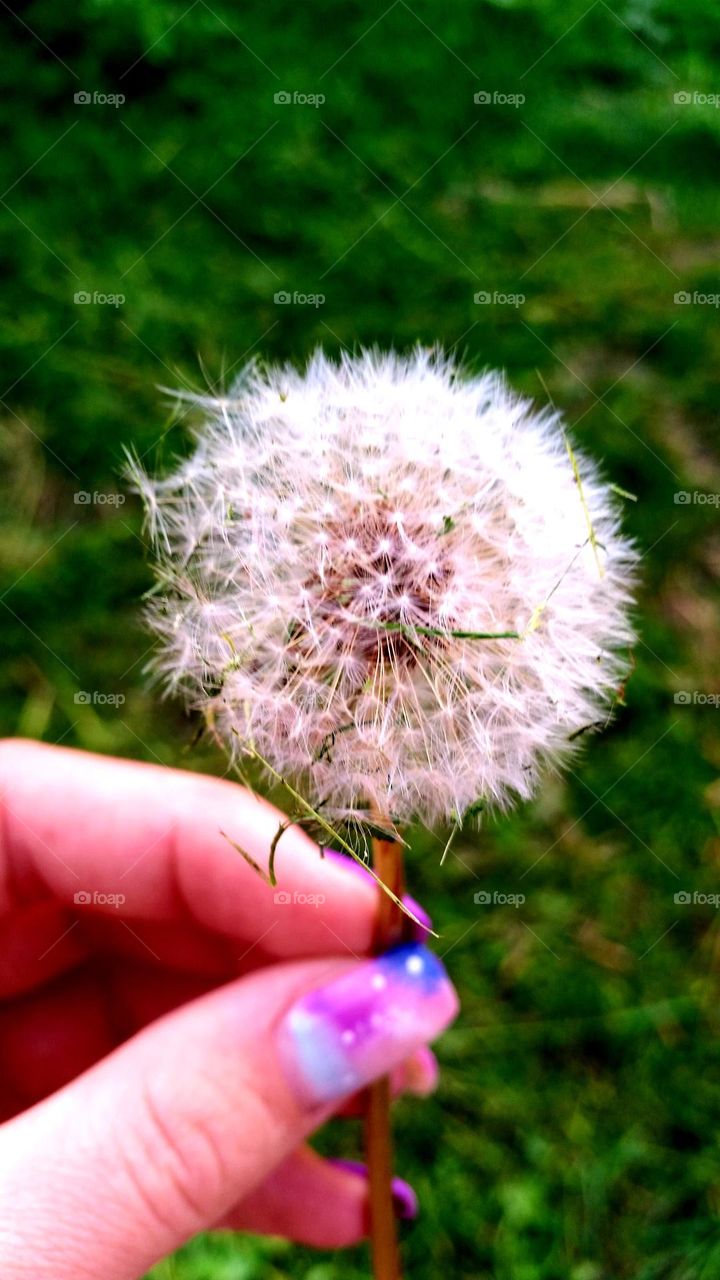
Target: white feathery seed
pixel 340 558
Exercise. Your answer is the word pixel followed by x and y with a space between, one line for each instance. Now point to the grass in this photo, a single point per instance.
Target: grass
pixel 574 1135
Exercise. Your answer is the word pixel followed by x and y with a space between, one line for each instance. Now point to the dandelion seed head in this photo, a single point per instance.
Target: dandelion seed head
pixel 334 555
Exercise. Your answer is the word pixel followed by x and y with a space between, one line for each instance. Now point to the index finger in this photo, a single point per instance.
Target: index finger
pixel 146 842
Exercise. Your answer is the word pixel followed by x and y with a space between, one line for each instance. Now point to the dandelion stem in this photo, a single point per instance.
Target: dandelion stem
pixel 390 928
pixel 335 835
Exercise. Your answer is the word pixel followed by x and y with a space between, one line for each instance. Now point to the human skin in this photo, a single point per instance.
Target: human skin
pixel 149 1085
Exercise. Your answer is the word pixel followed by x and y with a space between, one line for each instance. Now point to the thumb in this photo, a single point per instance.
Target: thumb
pixel 162 1138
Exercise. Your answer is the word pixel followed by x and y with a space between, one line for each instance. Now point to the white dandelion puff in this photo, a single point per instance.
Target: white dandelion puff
pixel 394 582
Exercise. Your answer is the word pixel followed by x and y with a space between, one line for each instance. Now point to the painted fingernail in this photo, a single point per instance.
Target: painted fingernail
pixel 349 864
pixel 419 927
pixel 338 1038
pixel 405 1201
pixel 423 924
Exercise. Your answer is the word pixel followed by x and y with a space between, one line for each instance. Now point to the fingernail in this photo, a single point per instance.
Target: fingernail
pixel 349 864
pixel 338 1038
pixel 423 924
pixel 405 1201
pixel 421 1073
pixel 418 929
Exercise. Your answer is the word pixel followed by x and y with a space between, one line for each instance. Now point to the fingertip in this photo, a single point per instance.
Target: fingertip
pixel 419 921
pixel 419 1074
pixel 362 1023
pixel 309 1200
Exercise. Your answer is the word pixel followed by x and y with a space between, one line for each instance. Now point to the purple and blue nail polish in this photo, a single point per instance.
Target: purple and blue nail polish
pixel 337 1039
pixel 423 923
pixel 405 1201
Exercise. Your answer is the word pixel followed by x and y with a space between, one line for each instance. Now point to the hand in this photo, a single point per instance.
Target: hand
pixel 170 1031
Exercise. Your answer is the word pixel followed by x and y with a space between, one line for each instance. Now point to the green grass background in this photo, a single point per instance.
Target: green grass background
pixel 575 1133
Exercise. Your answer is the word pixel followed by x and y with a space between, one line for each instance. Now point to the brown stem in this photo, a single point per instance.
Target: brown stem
pixel 390 928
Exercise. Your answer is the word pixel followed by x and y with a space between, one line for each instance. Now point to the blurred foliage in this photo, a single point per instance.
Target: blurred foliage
pixel 575 1133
